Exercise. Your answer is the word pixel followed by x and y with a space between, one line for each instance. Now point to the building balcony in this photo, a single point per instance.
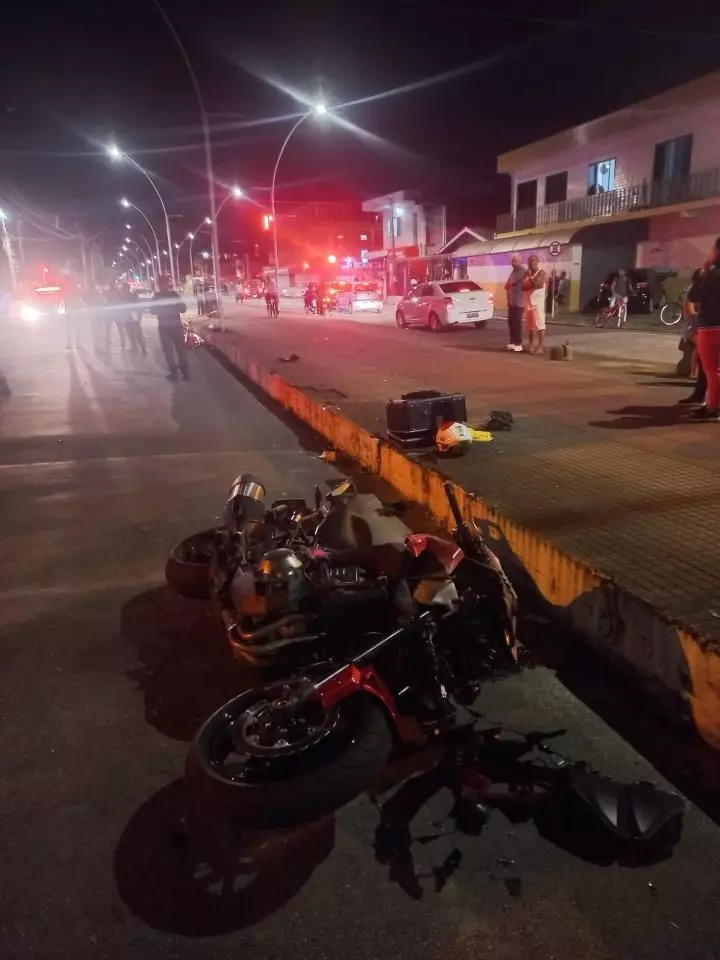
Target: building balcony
pixel 634 200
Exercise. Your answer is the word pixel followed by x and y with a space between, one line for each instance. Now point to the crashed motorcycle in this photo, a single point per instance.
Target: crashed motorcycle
pixel 295 583
pixel 301 747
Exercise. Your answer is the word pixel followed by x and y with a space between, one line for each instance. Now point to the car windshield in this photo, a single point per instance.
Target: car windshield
pixel 459 286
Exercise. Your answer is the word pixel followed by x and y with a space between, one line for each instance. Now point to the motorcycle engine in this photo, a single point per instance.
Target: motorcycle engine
pixel 275 585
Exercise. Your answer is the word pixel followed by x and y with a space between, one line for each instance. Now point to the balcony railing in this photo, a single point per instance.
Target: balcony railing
pixel 702 185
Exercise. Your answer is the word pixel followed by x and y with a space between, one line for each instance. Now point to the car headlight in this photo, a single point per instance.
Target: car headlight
pixel 29 313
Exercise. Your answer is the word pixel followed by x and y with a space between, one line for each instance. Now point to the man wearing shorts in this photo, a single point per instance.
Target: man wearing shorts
pixel 534 285
pixel 620 288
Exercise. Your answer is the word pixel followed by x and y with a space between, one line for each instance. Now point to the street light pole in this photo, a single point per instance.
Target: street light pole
pixel 205 121
pixel 319 109
pixel 116 154
pixel 126 203
pixel 142 257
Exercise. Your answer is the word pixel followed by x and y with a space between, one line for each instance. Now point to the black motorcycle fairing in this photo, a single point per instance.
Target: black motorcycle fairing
pixel 633 811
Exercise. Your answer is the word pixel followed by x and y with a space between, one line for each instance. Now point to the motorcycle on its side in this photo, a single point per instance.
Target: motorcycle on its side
pixel 302 746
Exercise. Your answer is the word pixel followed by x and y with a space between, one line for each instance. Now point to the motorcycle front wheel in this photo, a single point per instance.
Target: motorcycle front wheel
pixel 271 771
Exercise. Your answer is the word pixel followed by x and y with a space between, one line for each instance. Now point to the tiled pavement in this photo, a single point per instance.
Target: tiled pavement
pixel 601 461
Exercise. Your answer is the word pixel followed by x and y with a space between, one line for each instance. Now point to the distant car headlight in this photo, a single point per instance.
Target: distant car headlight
pixel 29 313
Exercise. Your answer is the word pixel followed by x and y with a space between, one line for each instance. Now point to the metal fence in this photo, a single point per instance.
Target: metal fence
pixel 644 196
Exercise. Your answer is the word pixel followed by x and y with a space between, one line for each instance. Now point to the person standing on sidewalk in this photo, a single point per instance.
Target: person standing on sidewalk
pixel 515 303
pixel 706 294
pixel 690 311
pixel 167 305
pixel 534 286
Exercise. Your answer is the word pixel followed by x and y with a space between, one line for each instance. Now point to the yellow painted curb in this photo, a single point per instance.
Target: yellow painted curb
pixel 669 658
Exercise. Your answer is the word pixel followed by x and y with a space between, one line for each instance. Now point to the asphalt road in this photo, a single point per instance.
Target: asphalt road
pixel 105 676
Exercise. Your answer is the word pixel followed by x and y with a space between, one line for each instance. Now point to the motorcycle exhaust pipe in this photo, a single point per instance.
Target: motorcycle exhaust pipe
pixel 239 639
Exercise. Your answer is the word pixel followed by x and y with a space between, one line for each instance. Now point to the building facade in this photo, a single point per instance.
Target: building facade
pixel 411 230
pixel 637 188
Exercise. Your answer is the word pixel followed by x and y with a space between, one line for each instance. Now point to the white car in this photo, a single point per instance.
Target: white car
pixel 360 298
pixel 445 303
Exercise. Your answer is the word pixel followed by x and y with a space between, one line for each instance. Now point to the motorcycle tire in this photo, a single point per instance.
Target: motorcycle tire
pixel 187 570
pixel 355 764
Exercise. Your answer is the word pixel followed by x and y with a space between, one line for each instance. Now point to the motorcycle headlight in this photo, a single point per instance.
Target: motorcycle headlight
pixel 29 313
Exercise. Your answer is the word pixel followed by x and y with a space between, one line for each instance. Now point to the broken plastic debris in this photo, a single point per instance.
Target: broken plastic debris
pixel 329 455
pixel 289 359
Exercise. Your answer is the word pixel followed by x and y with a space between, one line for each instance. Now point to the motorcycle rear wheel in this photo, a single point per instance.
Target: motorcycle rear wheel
pixel 187 568
pixel 296 787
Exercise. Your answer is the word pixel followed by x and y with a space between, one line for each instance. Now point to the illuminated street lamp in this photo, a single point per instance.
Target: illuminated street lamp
pixel 318 110
pixel 332 258
pixel 127 205
pixel 115 153
pixel 142 255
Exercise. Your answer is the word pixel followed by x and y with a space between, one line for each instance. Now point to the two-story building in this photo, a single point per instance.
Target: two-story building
pixel 636 188
pixel 411 231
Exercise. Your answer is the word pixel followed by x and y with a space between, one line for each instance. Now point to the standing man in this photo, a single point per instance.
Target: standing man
pixel 167 305
pixel 128 316
pixel 515 303
pixel 534 286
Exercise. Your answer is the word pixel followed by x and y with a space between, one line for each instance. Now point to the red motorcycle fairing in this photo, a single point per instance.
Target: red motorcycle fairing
pixel 353 679
pixel 448 554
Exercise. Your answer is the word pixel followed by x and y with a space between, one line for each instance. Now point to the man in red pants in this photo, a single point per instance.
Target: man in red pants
pixel 706 294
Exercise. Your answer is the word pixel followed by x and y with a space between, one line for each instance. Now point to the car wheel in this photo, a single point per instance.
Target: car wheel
pixel 400 319
pixel 435 323
pixel 480 324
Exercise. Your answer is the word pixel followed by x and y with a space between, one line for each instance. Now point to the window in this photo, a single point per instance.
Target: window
pixel 393 226
pixel 601 176
pixel 672 159
pixel 556 187
pixel 527 195
pixel 459 286
pixel 363 236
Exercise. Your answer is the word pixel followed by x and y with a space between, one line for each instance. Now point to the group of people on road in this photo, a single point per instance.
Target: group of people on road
pixel 526 298
pixel 120 308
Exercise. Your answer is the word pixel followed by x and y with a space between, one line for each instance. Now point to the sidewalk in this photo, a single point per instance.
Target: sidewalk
pixel 601 466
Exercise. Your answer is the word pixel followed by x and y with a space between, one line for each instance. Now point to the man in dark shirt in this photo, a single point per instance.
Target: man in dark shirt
pixel 705 292
pixel 515 303
pixel 167 305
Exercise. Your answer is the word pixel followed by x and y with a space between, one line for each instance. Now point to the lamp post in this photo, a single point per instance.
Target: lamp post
pixel 116 154
pixel 318 110
pixel 126 204
pixel 142 258
pixel 7 247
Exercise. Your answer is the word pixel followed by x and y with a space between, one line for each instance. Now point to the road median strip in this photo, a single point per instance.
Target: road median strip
pixel 680 666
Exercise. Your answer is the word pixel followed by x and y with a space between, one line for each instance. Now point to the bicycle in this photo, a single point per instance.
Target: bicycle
pixel 272 305
pixel 672 313
pixel 618 311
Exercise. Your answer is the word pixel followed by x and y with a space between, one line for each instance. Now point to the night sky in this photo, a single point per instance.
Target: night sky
pixel 76 75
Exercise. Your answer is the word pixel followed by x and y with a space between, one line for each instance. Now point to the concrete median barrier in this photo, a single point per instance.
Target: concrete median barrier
pixel 678 665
